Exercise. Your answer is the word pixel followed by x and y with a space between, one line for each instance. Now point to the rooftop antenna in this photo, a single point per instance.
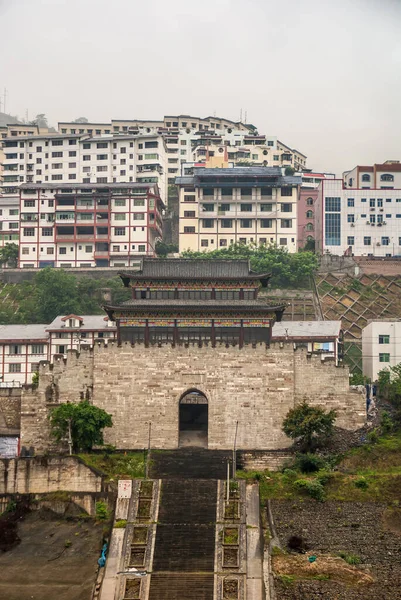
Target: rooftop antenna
pixel 4 99
pixel 240 115
pixel 245 116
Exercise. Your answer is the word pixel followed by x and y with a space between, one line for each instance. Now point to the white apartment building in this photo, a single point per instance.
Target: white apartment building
pixel 384 176
pixel 9 220
pixel 76 158
pixel 381 347
pixel 88 224
pixel 363 221
pixel 219 207
pixel 22 347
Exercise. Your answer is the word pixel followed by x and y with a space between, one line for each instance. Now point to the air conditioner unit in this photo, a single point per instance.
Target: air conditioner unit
pixel 367 222
pixel 379 224
pixel 384 222
pixel 382 210
pixel 378 244
pixel 372 209
pixel 352 224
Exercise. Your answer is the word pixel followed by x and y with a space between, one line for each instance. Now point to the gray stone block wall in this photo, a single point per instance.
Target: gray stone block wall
pixel 255 386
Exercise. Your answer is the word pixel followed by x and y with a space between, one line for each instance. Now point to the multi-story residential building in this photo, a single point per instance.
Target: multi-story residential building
pixel 384 176
pixel 219 207
pixel 88 224
pixel 364 221
pixel 78 158
pixel 21 349
pixel 381 347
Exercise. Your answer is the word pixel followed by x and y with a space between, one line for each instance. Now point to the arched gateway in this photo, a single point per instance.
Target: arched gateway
pixel 193 419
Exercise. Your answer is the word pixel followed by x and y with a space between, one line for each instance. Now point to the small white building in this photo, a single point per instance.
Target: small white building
pixel 22 347
pixel 72 331
pixel 318 337
pixel 381 347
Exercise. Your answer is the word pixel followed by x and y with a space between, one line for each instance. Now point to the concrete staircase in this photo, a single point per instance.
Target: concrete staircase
pixel 183 562
pixel 189 463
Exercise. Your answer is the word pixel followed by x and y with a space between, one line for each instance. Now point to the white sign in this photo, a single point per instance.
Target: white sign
pixel 124 488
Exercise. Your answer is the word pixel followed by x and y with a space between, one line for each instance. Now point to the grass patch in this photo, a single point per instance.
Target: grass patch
pixel 127 465
pixel 120 524
pixel 351 559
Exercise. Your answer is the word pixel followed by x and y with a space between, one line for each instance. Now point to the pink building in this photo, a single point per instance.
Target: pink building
pixel 306 206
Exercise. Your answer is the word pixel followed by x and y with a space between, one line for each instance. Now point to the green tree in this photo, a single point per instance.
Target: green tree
pixel 309 425
pixel 289 171
pixel 288 270
pixel 40 120
pixel 162 249
pixel 9 255
pixel 83 423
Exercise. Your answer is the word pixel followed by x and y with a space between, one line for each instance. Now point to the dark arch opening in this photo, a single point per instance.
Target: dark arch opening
pixel 193 419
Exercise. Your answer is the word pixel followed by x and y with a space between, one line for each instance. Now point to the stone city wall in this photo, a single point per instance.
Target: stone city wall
pixel 255 386
pixel 10 410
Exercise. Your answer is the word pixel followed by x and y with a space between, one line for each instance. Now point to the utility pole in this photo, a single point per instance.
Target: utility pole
pixel 4 99
pixel 235 451
pixel 147 457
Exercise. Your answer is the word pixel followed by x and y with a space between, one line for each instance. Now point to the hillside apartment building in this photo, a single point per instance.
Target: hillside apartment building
pixel 88 224
pixel 361 214
pixel 219 207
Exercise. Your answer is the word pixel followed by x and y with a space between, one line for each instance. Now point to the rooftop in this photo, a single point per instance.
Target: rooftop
pixel 23 332
pixel 179 268
pixel 89 323
pixel 306 329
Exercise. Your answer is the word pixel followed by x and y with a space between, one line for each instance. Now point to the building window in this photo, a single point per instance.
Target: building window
pixel 62 250
pixel 309 202
pixel 88 249
pixel 332 229
pixel 309 227
pixel 286 223
pixel 386 177
pixel 29 232
pixel 367 241
pixel 189 214
pixel 119 231
pixel 120 202
pixel 350 202
pixel 226 223
pixel 57 154
pixel 208 223
pixel 50 250
pixel 350 240
pixel 372 219
pixel 309 214
pixel 139 216
pixel 27 204
pixel 188 198
pixel 141 202
pixel 384 357
pixel 333 204
pixel 14 368
pixel 372 202
pixel 120 216
pixel 208 207
pixel 286 207
pixel 141 248
pixel 266 207
pixel 283 241
pixel 101 145
pixel 101 168
pixel 384 339
pixel 266 223
pixel 204 243
pixel 246 207
pixel 350 218
pixel 25 250
pixel 286 191
pixel 15 349
pixel 38 349
pixel 47 231
pixel 189 229
pixel 365 177
pixel 246 223
pixel 385 241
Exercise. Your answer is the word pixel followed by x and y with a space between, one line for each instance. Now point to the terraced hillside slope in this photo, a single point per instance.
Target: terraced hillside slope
pixel 355 301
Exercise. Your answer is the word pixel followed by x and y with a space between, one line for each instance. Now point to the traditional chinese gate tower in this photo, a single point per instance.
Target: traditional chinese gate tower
pixel 184 301
pixel 204 303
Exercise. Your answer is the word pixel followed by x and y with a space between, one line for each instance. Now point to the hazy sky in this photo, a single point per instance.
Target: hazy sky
pixel 324 76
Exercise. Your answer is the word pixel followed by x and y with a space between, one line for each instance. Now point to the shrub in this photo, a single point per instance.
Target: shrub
pixel 309 425
pixel 312 487
pixel 120 524
pixel 308 463
pixel 386 423
pixel 361 483
pixel 351 559
pixel 373 436
pixel 297 544
pixel 102 512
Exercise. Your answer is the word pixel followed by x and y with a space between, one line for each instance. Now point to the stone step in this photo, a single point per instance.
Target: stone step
pixel 188 548
pixel 190 463
pixel 181 586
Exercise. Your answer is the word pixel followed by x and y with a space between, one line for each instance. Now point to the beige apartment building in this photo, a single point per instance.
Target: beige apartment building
pixel 220 207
